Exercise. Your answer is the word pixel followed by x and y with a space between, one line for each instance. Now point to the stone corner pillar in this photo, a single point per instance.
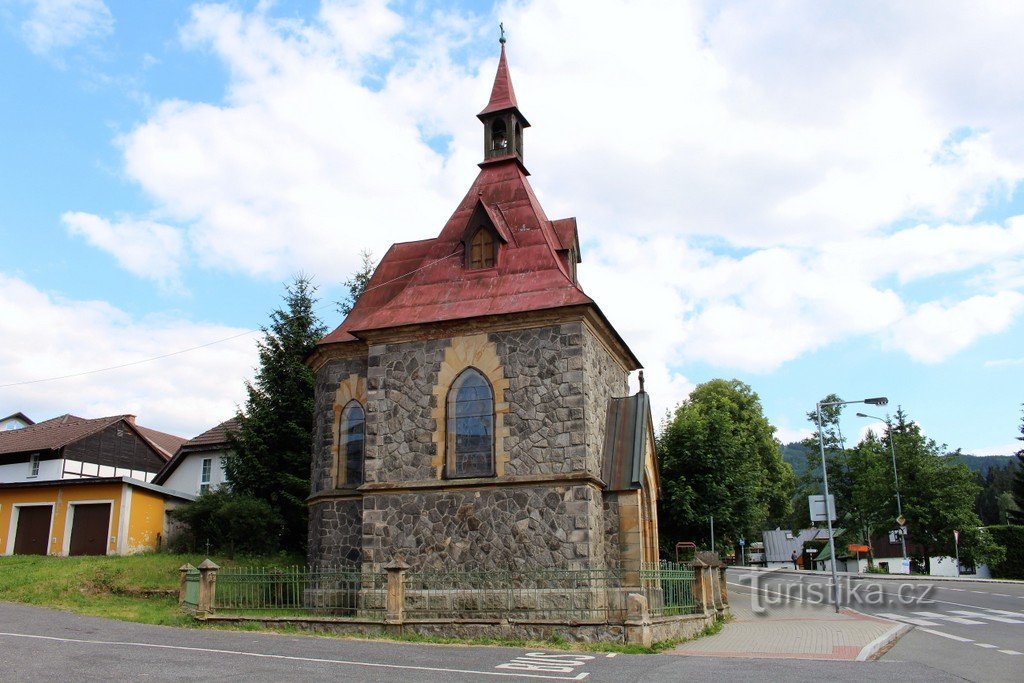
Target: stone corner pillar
pixel 207 587
pixel 396 570
pixel 638 620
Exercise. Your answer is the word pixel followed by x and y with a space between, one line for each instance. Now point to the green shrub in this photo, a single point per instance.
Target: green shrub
pixel 221 521
pixel 1010 537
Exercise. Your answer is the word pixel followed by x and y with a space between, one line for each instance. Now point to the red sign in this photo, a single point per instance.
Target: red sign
pixel 855 548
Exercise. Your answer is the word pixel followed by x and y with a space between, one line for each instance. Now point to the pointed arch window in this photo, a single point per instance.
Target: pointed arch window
pixel 482 250
pixel 470 427
pixel 351 440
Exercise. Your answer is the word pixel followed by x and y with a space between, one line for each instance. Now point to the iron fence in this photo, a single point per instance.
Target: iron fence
pixel 669 588
pixel 340 590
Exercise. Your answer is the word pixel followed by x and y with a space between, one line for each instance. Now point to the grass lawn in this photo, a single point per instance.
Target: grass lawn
pixel 142 588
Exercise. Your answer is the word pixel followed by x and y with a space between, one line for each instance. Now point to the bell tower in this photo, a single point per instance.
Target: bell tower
pixel 503 122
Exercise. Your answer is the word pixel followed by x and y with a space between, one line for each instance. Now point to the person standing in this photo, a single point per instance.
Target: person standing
pixel 796 559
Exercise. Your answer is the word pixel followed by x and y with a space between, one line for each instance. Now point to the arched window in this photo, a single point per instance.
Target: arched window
pixel 481 250
pixel 350 442
pixel 470 426
pixel 499 135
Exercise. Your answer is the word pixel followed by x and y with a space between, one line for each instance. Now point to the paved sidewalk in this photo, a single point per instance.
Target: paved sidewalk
pixel 794 631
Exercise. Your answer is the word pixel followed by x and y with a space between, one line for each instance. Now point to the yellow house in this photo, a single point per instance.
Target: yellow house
pixel 90 516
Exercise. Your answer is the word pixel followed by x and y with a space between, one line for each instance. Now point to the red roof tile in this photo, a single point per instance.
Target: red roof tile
pixel 164 442
pixel 65 429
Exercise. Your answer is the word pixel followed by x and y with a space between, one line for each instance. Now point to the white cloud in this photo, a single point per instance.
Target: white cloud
pixel 771 180
pixel 935 330
pixel 46 335
pixel 57 24
pixel 1005 449
pixel 149 250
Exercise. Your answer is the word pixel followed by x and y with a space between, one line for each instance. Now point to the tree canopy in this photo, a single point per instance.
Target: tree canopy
pixel 719 456
pixel 1018 477
pixel 271 451
pixel 357 283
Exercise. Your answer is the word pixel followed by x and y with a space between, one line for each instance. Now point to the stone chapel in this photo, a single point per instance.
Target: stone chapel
pixel 473 409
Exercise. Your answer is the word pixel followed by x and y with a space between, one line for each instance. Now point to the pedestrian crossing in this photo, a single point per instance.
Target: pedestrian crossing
pixel 956 616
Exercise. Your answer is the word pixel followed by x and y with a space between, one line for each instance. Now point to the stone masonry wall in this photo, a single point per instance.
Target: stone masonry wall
pixel 327 380
pixel 335 532
pixel 542 527
pixel 399 424
pixel 544 367
pixel 604 379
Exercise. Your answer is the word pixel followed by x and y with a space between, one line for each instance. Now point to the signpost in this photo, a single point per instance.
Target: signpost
pixel 743 555
pixel 956 542
pixel 816 504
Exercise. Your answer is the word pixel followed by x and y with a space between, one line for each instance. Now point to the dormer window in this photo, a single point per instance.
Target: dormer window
pixel 481 250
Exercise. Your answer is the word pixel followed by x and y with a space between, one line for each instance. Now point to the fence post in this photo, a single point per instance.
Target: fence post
pixel 724 586
pixel 638 620
pixel 396 591
pixel 701 589
pixel 183 571
pixel 207 587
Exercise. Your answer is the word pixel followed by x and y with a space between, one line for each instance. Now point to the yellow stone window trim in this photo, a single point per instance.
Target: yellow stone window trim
pixel 352 388
pixel 464 352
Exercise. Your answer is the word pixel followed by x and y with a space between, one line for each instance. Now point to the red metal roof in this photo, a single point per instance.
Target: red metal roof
pixel 428 281
pixel 502 94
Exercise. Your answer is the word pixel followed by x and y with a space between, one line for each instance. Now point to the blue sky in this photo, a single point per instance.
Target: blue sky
pixel 810 197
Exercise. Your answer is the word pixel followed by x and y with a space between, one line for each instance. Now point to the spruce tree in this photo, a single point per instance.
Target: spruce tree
pixel 270 458
pixel 1018 479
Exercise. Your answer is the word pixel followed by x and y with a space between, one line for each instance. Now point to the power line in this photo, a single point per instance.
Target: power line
pixel 207 344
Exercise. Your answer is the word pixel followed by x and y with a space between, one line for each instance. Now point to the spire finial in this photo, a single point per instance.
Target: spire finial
pixel 641 381
pixel 501 26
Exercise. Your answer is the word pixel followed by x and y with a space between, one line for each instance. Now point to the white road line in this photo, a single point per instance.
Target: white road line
pixel 909 620
pixel 1006 612
pixel 986 645
pixel 611 654
pixel 788 597
pixel 1011 652
pixel 944 617
pixel 980 592
pixel 958 590
pixel 577 677
pixel 947 635
pixel 1003 595
pixel 982 615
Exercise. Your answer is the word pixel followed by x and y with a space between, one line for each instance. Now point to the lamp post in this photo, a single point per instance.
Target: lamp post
pixel 896 481
pixel 880 401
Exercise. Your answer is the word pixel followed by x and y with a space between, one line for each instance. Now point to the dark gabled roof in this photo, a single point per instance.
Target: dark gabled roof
pixel 215 438
pixel 167 443
pixel 627 429
pixel 67 429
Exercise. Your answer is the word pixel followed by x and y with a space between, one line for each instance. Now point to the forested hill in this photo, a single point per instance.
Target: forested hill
pixel 794 454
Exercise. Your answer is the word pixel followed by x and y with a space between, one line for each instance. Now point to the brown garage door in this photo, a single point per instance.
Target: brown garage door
pixel 89 529
pixel 33 535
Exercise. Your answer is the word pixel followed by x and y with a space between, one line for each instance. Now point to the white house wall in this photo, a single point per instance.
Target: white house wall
pixel 185 477
pixel 20 471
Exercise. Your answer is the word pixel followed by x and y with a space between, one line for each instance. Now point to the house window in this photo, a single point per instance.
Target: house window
pixel 204 475
pixel 351 441
pixel 481 250
pixel 470 426
pixel 33 465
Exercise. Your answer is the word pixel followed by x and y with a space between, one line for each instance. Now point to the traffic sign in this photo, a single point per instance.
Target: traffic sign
pixel 742 542
pixel 901 520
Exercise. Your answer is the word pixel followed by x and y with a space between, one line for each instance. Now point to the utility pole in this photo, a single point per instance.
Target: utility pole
pixel 712 533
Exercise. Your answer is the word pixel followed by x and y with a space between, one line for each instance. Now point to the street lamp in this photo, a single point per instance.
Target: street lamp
pixel 879 401
pixel 896 480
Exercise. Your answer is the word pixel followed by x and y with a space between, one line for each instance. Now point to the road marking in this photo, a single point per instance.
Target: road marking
pixel 982 615
pixel 947 635
pixel 1007 613
pixel 611 654
pixel 577 677
pixel 980 592
pixel 909 620
pixel 788 597
pixel 1011 652
pixel 1003 595
pixel 558 663
pixel 955 620
pixel 958 590
pixel 986 645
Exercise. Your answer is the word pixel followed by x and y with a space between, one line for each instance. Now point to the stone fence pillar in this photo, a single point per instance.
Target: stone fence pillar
pixel 638 620
pixel 183 572
pixel 207 588
pixel 724 587
pixel 396 570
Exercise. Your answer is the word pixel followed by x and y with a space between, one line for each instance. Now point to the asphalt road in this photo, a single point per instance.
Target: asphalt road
pixel 972 630
pixel 44 645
